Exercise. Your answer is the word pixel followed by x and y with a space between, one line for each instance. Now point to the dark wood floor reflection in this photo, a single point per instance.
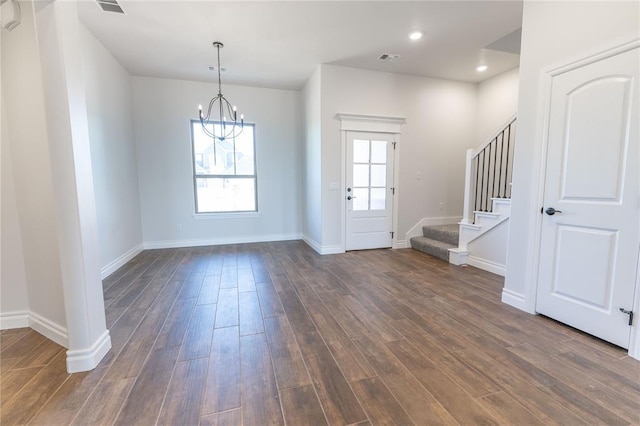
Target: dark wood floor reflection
pixel 273 333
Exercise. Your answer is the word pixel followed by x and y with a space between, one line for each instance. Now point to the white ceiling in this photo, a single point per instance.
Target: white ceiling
pixel 279 44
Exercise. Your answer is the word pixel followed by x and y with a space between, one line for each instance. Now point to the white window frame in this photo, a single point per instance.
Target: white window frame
pixel 196 124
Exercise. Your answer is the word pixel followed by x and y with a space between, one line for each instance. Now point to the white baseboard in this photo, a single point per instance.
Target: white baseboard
pixel 333 249
pixel 416 230
pixel 77 360
pixel 219 241
pixel 487 265
pixel 400 244
pixel 514 299
pixel 21 319
pixel 49 329
pixel 458 257
pixel 312 243
pixel 88 359
pixel 120 261
pixel 15 319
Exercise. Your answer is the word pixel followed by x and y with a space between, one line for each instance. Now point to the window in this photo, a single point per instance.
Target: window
pixel 224 173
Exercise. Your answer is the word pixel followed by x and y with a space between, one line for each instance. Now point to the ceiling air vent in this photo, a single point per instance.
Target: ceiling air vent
pixel 110 6
pixel 388 57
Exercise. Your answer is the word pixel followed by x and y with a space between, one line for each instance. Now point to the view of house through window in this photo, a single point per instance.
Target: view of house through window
pixel 224 173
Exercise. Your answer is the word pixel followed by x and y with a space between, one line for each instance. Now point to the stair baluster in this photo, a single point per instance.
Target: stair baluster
pixel 492 177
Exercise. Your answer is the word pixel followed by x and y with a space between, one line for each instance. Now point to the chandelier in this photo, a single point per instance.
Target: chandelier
pixel 221 120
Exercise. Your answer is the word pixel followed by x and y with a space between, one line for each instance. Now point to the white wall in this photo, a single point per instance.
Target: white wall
pixel 440 126
pixel 312 160
pixel 24 101
pixel 14 302
pixel 553 33
pixel 489 251
pixel 113 155
pixel 162 112
pixel 497 102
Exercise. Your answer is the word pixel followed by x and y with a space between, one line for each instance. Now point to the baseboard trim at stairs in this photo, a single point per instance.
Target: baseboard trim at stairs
pixel 514 299
pixel 458 257
pixel 400 244
pixel 487 265
pixel 416 230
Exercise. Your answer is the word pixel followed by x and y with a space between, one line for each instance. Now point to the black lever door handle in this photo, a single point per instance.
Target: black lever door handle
pixel 551 211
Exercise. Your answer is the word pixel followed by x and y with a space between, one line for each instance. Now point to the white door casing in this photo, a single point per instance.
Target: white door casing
pixel 370 190
pixel 369 124
pixel 588 257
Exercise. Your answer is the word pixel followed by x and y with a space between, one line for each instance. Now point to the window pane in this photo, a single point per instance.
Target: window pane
pixel 244 152
pixel 360 151
pixel 361 199
pixel 379 152
pixel 378 175
pixel 360 175
pixel 210 160
pixel 201 148
pixel 378 198
pixel 226 195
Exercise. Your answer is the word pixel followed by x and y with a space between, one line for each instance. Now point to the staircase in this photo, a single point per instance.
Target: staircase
pixel 483 243
pixel 480 238
pixel 437 240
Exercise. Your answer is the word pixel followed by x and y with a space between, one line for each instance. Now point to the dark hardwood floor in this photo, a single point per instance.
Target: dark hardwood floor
pixel 273 333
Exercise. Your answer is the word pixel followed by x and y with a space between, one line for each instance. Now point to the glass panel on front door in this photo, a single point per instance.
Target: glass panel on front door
pixel 369 174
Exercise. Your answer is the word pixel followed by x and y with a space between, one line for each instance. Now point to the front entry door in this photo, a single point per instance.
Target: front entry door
pixel 369 179
pixel 589 245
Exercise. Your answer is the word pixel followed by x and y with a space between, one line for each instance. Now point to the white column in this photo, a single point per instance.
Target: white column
pixel 58 30
pixel 467 213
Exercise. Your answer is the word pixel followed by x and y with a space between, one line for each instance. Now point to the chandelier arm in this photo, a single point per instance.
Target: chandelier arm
pixel 221 115
pixel 215 153
pixel 211 105
pixel 229 110
pixel 224 110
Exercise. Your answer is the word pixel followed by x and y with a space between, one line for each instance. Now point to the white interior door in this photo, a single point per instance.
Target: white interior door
pixel 369 179
pixel 589 248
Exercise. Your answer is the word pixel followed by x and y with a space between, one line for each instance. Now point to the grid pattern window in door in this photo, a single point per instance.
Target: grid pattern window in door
pixel 369 174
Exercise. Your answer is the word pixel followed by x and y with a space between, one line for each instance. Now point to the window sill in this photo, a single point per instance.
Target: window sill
pixel 230 215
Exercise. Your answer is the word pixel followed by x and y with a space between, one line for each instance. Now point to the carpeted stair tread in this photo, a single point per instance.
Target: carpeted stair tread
pixel 439 249
pixel 446 233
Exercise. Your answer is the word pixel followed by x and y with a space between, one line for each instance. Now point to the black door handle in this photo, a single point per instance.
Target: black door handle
pixel 551 211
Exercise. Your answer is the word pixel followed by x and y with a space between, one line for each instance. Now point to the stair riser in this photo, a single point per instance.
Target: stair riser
pixel 439 252
pixel 439 235
pixel 502 209
pixel 501 206
pixel 485 221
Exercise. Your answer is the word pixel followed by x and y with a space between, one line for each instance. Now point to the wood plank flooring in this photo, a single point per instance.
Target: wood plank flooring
pixel 273 333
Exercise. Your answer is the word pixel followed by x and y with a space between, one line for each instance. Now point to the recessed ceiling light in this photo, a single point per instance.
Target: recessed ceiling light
pixel 415 35
pixel 481 68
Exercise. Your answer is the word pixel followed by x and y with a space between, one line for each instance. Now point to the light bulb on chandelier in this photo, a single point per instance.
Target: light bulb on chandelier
pixel 218 110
